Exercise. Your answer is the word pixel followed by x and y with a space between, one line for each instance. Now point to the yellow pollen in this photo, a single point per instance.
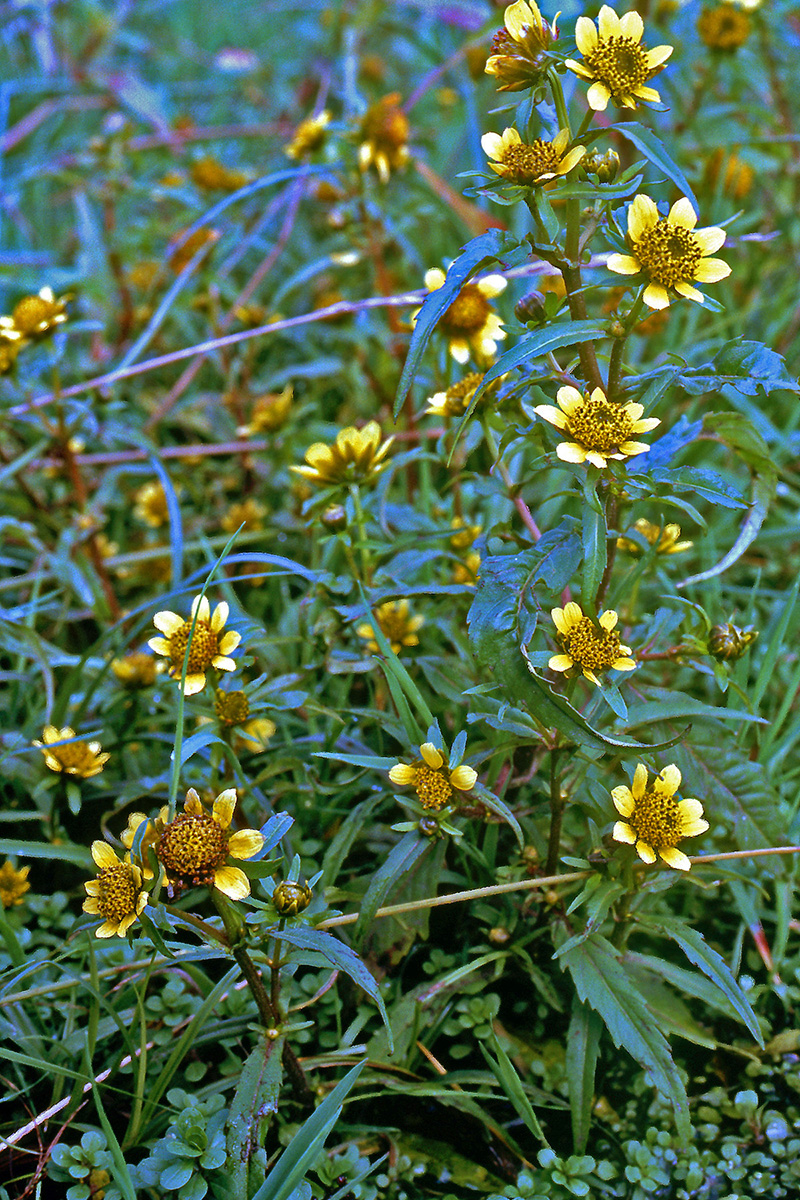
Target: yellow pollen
pixel 432 787
pixel 192 847
pixel 118 892
pixel 656 820
pixel 591 647
pixel 600 425
pixel 464 389
pixel 205 647
pixel 468 312
pixel 620 63
pixel 668 253
pixel 528 162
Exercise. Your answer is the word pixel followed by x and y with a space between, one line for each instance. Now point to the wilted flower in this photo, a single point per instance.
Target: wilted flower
pixel 586 645
pixel 614 60
pixel 209 648
pixel 654 820
pixel 728 642
pixel 517 60
pixel 670 251
pixel 663 537
pixel 195 847
pixel 83 759
pixel 397 625
pixel 469 324
pixel 135 670
pixel 309 136
pixel 530 163
pixel 384 133
pixel 13 884
pixel 356 456
pixel 431 779
pixel 723 27
pixel 117 894
pixel 35 316
pixel 269 413
pixel 599 428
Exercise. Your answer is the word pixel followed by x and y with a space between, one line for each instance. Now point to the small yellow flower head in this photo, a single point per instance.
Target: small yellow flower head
pixel 309 136
pixel 723 27
pixel 598 428
pixel 530 163
pixel 291 898
pixel 149 838
pixel 83 759
pixel 254 735
pixel 737 177
pixel 456 399
pixel 384 133
pixel 469 324
pixel 396 623
pixel 431 779
pixel 248 512
pixel 665 538
pixel 211 175
pixel 36 316
pixel 136 670
pixel 182 252
pixel 728 642
pixel 13 884
pixel 210 646
pixel 232 708
pixel 466 572
pixel 11 343
pixel 517 60
pixel 356 456
pixel 150 505
pixel 615 62
pixel 270 413
pixel 464 535
pixel 194 848
pixel 670 251
pixel 654 820
pixel 588 646
pixel 117 894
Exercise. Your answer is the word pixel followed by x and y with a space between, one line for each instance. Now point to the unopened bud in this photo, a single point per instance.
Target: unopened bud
pixel 334 518
pixel 291 898
pixel 530 308
pixel 727 643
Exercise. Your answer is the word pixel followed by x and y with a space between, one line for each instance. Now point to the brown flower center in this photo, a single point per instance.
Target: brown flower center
pixel 232 708
pixel 205 647
pixel 620 63
pixel 118 893
pixel 458 395
pixel 656 820
pixel 591 647
pixel 432 787
pixel 600 425
pixel 468 313
pixel 525 163
pixel 668 253
pixel 192 847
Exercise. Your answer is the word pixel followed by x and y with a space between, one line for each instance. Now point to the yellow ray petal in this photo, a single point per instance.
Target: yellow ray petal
pixel 646 853
pixel 553 415
pixel 572 453
pixel 710 239
pixel 402 774
pixel 463 778
pixel 632 26
pixel 658 55
pixel 232 882
pixel 560 662
pixel 655 296
pixel 431 756
pixel 245 843
pixel 623 833
pixel 598 96
pixel 224 805
pixel 569 399
pixel 639 785
pixel 682 213
pixel 711 270
pixel 608 23
pixel 103 855
pixel 623 799
pixel 642 215
pixel 167 622
pixel 623 264
pixel 688 292
pixel 220 616
pixel 675 858
pixel 585 35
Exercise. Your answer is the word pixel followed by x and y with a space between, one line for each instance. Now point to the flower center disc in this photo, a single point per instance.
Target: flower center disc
pixel 192 846
pixel 468 312
pixel 669 253
pixel 656 820
pixel 620 63
pixel 590 647
pixel 600 425
pixel 432 787
pixel 118 892
pixel 205 647
pixel 530 161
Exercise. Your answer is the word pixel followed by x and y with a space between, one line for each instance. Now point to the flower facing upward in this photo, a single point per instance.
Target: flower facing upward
pixel 356 456
pixel 116 895
pixel 210 646
pixel 78 758
pixel 194 848
pixel 431 779
pixel 517 60
pixel 384 133
pixel 663 537
pixel 13 884
pixel 36 316
pixel 614 60
pixel 586 645
pixel 469 324
pixel 530 163
pixel 309 136
pixel 654 821
pixel 723 27
pixel 670 251
pixel 598 428
pixel 456 400
pixel 396 623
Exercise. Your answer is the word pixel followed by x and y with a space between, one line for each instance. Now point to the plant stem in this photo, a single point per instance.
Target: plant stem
pixel 557 806
pixel 618 349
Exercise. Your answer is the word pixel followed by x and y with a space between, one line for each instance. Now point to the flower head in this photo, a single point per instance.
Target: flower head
pixel 309 136
pixel 270 412
pixel 136 670
pixel 384 132
pixel 586 645
pixel 614 60
pixel 431 779
pixel 13 884
pixel 723 27
pixel 36 316
pixel 356 456
pixel 248 512
pixel 291 898
pixel 11 342
pixel 396 623
pixel 150 504
pixel 211 175
pixel 83 759
pixel 518 60
pixel 728 642
pixel 117 894
pixel 195 847
pixel 457 398
pixel 598 428
pixel 469 324
pixel 530 163
pixel 670 251
pixel 149 838
pixel 210 647
pixel 654 820
pixel 665 538
pixel 254 735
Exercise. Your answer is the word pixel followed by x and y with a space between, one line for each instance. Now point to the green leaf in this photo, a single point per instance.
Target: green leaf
pixel 583 1047
pixel 206 735
pixel 671 1013
pixel 401 685
pixel 254 1102
pixel 750 367
pixel 595 542
pixel 689 983
pixel 503 1070
pixel 702 482
pixel 649 145
pixel 401 859
pixel 661 704
pixel 501 809
pixel 601 981
pixel 587 192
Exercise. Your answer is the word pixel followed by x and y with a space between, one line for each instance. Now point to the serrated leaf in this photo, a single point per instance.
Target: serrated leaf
pixel 503 1070
pixel 672 1015
pixel 682 434
pixel 595 543
pixel 750 367
pixel 603 192
pixel 654 150
pixel 701 482
pixel 689 983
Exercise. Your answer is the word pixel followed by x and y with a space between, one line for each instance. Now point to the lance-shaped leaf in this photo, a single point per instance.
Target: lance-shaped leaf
pixel 649 145
pixel 254 1102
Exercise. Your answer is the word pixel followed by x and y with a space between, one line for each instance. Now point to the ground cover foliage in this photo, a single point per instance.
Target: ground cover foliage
pixel 399 503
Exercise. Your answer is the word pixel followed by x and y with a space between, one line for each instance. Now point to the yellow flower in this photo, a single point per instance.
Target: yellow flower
pixel 723 27
pixel 356 456
pixel 36 316
pixel 517 60
pixel 614 60
pixel 598 428
pixel 431 779
pixel 737 178
pixel 456 399
pixel 530 163
pixel 397 625
pixel 213 176
pixel 469 324
pixel 209 648
pixel 150 837
pixel 464 534
pixel 467 572
pixel 136 670
pixel 194 848
pixel 9 349
pixel 78 758
pixel 663 537
pixel 270 412
pixel 309 136
pixel 249 512
pixel 117 894
pixel 586 645
pixel 13 884
pixel 254 735
pixel 384 130
pixel 654 820
pixel 150 504
pixel 670 251
pixel 232 708
pixel 181 253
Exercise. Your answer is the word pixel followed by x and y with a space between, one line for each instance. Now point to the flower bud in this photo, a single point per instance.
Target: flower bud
pixel 530 308
pixel 727 643
pixel 334 518
pixel 291 898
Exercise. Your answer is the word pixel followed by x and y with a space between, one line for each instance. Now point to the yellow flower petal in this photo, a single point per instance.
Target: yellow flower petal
pixel 690 810
pixel 167 623
pixel 431 756
pixel 578 68
pixel 632 26
pixel 639 785
pixel 494 285
pixel 598 96
pixel 608 23
pixel 710 239
pixel 623 264
pixel 552 414
pixel 560 662
pixel 585 35
pixel 229 641
pixel 623 799
pixel 160 645
pixel 642 92
pixel 202 608
pixel 103 855
pixel 608 619
pixel 623 833
pixel 657 56
pixel 569 399
pixel 646 853
pixel 572 453
pixel 245 843
pixel 232 882
pixel 596 458
pixel 463 778
pixel 682 213
pixel 668 780
pixel 711 270
pixel 688 292
pixel 193 684
pixel 434 279
pixel 492 145
pixel 623 664
pixel 675 858
pixel 225 803
pixel 459 350
pixel 642 215
pixel 220 616
pixel 222 663
pixel 655 296
pixel 402 774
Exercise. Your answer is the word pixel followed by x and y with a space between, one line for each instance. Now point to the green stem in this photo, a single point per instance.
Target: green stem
pixel 557 806
pixel 361 528
pixel 618 349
